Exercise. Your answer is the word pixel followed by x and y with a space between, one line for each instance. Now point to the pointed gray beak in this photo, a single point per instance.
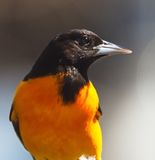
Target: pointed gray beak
pixel 109 49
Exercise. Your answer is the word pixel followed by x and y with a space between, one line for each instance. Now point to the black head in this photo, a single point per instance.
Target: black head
pixel 77 48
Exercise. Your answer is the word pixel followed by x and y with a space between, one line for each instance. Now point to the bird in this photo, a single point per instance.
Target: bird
pixel 55 111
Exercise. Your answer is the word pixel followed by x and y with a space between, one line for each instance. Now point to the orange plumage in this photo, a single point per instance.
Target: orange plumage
pixel 50 127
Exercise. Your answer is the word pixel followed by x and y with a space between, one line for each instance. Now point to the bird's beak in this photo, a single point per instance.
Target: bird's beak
pixel 108 49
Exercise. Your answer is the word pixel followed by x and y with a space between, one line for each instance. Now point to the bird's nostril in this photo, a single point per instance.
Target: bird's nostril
pixel 105 43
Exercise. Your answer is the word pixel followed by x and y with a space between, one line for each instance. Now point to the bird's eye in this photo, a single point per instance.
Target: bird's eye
pixel 84 41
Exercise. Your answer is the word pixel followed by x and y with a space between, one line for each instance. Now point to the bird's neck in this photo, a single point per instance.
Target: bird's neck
pixel 72 82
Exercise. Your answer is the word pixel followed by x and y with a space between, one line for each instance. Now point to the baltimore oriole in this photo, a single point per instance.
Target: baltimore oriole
pixel 56 109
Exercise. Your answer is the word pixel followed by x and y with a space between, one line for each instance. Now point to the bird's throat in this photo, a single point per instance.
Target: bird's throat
pixel 71 83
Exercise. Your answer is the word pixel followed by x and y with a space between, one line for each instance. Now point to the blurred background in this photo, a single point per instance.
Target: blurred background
pixel 126 84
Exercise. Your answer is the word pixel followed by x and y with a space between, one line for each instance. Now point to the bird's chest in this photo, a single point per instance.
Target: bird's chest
pixel 49 99
pixel 47 118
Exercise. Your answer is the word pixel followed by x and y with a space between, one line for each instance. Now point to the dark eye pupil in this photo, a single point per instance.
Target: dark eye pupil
pixel 84 41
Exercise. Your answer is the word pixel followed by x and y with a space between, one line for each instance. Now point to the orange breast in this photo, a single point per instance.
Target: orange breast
pixel 54 130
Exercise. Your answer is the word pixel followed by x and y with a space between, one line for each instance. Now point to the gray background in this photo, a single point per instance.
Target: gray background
pixel 126 84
